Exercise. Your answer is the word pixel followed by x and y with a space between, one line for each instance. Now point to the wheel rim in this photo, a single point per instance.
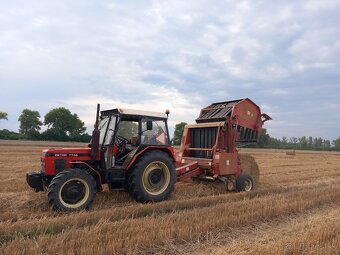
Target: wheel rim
pixel 230 185
pixel 156 178
pixel 74 193
pixel 248 185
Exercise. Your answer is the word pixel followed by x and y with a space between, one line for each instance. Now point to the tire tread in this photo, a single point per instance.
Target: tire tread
pixel 134 177
pixel 53 188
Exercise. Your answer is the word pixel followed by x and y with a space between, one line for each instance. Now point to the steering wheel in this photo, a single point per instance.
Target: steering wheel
pixel 121 139
pixel 121 142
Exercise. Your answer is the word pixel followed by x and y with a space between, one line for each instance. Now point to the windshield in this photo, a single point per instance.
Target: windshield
pixel 106 128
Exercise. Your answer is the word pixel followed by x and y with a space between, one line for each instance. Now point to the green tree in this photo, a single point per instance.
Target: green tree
pixel 179 128
pixel 336 143
pixel 274 142
pixel 3 115
pixel 63 125
pixel 9 135
pixel 293 141
pixel 264 138
pixel 327 144
pixel 317 143
pixel 303 142
pixel 29 123
pixel 310 142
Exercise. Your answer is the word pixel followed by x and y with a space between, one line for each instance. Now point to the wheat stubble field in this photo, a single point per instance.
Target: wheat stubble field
pixel 294 210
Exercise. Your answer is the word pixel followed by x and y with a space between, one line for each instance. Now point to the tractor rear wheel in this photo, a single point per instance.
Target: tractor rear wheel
pixel 72 190
pixel 152 178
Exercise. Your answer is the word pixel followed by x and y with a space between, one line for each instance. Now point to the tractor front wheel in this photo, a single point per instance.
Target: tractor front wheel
pixel 72 190
pixel 152 178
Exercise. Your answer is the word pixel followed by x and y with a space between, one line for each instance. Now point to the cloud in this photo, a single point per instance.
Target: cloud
pixel 181 55
pixel 159 99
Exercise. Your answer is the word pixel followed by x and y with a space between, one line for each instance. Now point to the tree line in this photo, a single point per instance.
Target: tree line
pixel 297 143
pixel 61 124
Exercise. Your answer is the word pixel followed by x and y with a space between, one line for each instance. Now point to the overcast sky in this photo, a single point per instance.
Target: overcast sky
pixel 181 55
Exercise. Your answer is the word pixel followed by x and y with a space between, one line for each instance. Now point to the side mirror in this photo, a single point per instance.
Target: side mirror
pixel 149 125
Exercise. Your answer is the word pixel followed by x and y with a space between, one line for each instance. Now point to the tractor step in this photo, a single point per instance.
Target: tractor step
pixel 116 178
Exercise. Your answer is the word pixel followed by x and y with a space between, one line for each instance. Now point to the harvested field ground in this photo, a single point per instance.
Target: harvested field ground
pixel 295 209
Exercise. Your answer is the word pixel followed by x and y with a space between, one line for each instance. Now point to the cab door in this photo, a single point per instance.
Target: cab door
pixel 109 143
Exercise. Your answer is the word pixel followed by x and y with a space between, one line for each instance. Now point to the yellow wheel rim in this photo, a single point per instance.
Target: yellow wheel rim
pixel 156 178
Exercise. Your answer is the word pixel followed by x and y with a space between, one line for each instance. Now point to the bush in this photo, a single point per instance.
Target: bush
pixel 9 135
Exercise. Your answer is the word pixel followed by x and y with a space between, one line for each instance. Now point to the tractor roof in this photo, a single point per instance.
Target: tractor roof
pixel 134 112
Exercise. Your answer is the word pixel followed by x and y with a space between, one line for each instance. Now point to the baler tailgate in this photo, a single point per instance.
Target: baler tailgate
pixel 217 111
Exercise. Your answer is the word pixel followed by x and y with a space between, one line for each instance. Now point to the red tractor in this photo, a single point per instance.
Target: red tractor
pixel 130 150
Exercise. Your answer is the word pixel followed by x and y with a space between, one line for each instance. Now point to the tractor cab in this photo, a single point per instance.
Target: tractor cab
pixel 123 133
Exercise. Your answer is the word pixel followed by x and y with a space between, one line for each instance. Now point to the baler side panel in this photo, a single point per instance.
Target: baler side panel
pixel 247 114
pixel 227 163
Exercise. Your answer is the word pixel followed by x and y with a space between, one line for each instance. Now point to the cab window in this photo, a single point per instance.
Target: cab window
pixel 128 129
pixel 154 132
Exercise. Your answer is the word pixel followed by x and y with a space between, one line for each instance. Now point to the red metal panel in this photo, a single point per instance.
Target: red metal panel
pixel 186 168
pixel 67 154
pixel 202 162
pixel 168 149
pixel 247 114
pixel 190 174
pixel 90 167
pixel 228 163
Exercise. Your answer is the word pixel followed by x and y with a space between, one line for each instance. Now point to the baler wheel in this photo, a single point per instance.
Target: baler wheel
pixel 72 190
pixel 244 183
pixel 250 167
pixel 152 178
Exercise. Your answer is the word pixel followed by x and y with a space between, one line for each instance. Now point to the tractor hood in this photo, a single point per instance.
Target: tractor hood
pixel 67 152
pixel 56 160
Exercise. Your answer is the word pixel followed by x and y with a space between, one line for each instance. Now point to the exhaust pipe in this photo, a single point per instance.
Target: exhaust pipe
pixel 95 137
